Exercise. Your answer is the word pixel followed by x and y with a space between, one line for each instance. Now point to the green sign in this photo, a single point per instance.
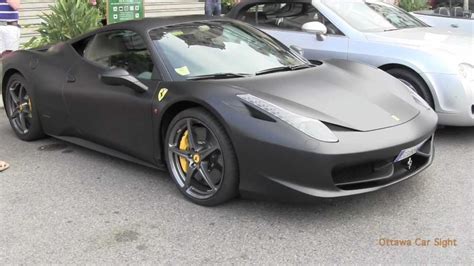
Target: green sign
pixel 124 10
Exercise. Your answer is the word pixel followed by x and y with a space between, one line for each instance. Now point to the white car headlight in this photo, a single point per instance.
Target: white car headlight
pixel 466 71
pixel 311 127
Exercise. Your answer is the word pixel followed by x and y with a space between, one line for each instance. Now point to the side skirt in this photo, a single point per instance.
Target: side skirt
pixel 99 148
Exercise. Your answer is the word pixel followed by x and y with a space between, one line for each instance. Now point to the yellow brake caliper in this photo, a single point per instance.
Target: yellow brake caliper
pixel 184 146
pixel 31 107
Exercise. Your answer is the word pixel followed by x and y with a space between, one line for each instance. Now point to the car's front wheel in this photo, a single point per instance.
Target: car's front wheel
pixel 414 82
pixel 201 158
pixel 21 109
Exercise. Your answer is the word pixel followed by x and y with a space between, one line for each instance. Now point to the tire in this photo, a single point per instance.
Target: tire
pixel 222 181
pixel 32 130
pixel 414 81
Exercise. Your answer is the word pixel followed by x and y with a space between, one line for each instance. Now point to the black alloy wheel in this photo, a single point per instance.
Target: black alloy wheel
pixel 201 159
pixel 20 109
pixel 414 82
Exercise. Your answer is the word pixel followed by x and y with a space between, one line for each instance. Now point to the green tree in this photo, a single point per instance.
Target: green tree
pixel 413 5
pixel 68 19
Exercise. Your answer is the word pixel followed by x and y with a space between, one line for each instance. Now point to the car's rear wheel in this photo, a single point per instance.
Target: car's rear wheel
pixel 414 82
pixel 201 158
pixel 21 111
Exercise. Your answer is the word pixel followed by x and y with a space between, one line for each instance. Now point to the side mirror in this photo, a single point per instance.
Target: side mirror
pixel 317 28
pixel 297 49
pixel 120 76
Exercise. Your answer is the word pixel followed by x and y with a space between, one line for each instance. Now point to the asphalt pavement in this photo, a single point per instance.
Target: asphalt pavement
pixel 61 203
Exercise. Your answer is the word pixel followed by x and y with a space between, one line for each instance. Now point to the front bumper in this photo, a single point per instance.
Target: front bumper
pixel 351 177
pixel 454 99
pixel 299 168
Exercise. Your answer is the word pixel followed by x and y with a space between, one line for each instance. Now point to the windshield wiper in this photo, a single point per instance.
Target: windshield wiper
pixel 219 76
pixel 243 75
pixel 303 66
pixel 391 29
pixel 284 68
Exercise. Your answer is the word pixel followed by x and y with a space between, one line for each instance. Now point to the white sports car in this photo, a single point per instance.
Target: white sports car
pixel 437 63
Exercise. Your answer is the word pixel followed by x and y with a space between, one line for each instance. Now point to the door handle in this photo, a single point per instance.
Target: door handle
pixel 455 26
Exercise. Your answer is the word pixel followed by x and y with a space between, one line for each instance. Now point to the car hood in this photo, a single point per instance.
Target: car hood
pixel 350 95
pixel 452 42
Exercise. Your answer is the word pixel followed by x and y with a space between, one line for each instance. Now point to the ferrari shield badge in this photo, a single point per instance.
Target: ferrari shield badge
pixel 162 94
pixel 409 163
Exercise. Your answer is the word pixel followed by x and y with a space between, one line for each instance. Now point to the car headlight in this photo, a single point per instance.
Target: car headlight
pixel 466 71
pixel 417 97
pixel 311 127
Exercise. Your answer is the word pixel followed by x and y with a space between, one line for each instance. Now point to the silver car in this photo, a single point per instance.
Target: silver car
pixel 438 64
pixel 438 20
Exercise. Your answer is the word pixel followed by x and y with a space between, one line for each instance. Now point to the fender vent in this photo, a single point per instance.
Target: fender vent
pixel 255 113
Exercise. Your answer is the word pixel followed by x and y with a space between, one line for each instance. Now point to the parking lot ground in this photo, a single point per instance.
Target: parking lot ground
pixel 66 204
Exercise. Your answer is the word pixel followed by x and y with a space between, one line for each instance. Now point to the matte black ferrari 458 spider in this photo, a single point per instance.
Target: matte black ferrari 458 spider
pixel 227 109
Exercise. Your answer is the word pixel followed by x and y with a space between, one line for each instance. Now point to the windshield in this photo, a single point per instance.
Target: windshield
pixel 224 48
pixel 373 16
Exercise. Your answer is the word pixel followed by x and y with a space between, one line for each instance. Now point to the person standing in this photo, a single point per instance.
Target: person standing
pixel 9 27
pixel 212 7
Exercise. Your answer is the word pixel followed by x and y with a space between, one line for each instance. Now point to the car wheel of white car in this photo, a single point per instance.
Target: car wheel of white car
pixel 414 82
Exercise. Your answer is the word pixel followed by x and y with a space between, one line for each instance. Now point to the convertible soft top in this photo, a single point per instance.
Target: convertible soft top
pixel 243 5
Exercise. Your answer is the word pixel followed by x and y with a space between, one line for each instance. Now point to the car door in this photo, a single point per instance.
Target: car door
pixel 284 21
pixel 116 117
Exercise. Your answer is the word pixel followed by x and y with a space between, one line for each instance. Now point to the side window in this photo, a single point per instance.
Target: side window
pixel 288 16
pixel 121 49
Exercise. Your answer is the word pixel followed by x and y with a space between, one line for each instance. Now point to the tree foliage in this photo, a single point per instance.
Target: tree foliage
pixel 68 19
pixel 413 5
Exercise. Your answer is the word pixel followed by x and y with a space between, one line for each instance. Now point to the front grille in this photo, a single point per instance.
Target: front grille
pixel 380 172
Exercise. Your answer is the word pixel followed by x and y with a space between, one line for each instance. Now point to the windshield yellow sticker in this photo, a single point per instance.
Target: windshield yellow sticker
pixel 162 94
pixel 177 33
pixel 183 71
